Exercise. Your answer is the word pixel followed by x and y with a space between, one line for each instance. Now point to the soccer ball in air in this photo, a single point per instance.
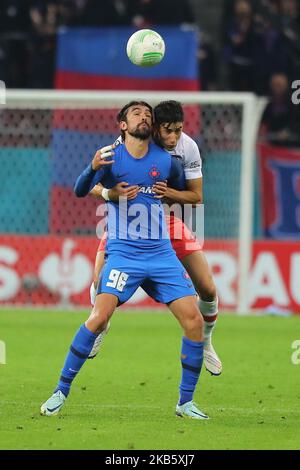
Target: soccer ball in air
pixel 145 48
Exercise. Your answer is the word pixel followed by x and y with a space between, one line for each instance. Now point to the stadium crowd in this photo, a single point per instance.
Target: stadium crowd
pixel 28 30
pixel 260 38
pixel 258 48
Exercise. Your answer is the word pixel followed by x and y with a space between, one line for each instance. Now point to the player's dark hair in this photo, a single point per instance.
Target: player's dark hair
pixel 168 112
pixel 122 114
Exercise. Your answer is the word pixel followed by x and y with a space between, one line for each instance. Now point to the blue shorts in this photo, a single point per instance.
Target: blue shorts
pixel 160 274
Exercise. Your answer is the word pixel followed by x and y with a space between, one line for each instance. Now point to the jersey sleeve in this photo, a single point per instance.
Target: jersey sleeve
pixel 192 162
pixel 87 180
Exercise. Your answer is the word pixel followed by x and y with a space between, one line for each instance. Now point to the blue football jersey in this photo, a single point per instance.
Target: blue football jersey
pixel 177 178
pixel 140 223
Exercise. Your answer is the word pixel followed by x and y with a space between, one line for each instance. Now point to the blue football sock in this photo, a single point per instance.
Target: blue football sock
pixel 191 361
pixel 80 349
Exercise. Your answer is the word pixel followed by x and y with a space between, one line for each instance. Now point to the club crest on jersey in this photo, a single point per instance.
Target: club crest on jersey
pixel 154 173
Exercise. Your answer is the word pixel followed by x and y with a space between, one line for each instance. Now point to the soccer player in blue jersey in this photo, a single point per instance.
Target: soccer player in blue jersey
pixel 139 253
pixel 184 188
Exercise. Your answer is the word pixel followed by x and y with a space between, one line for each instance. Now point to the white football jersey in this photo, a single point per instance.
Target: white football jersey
pixel 188 151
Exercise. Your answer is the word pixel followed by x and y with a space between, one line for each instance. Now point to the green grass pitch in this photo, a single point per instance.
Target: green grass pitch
pixel 125 398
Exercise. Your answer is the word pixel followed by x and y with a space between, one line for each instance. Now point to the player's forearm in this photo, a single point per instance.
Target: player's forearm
pixel 184 197
pixel 84 182
pixel 96 191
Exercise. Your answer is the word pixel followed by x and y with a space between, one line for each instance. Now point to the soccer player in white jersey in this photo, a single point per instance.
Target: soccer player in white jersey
pixel 168 133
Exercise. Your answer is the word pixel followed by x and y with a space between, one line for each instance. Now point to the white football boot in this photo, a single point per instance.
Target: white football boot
pixel 53 405
pixel 190 410
pixel 211 360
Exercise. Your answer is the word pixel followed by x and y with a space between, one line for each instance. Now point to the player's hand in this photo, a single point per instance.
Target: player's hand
pixel 160 189
pixel 108 151
pixel 100 156
pixel 123 190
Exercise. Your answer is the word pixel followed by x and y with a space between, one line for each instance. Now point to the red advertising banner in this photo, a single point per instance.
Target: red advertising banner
pixel 55 270
pixel 274 281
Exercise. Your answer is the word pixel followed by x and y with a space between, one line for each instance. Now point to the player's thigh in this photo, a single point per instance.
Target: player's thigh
pixel 99 263
pixel 167 279
pixel 197 266
pixel 121 276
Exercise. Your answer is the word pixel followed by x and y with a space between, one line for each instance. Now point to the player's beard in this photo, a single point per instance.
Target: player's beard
pixel 142 133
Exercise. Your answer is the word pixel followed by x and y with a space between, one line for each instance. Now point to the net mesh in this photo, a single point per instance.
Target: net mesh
pixel 48 236
pixel 43 151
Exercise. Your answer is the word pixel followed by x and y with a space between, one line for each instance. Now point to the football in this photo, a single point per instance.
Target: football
pixel 145 48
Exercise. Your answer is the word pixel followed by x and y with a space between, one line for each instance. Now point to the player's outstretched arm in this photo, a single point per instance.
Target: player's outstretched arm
pixel 93 172
pixel 86 181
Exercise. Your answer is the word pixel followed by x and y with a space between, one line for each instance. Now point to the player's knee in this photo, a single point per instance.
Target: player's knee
pixel 209 292
pixel 99 318
pixel 197 322
pixel 194 324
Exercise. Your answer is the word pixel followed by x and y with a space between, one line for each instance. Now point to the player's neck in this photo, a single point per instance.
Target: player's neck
pixel 136 147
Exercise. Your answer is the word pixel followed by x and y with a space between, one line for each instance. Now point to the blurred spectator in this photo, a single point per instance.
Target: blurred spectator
pixel 290 25
pixel 256 45
pixel 155 12
pixel 271 6
pixel 144 13
pixel 46 17
pixel 207 63
pixel 280 125
pixel 106 13
pixel 14 16
pixel 238 48
pixel 270 53
pixel 14 27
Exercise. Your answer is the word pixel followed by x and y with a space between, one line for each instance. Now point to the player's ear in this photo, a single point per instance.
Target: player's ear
pixel 123 126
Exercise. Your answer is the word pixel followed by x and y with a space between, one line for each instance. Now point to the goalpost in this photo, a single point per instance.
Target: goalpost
pixel 66 127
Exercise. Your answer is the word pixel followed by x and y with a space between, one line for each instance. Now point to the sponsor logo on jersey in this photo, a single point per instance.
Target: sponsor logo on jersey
pixel 194 164
pixel 146 189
